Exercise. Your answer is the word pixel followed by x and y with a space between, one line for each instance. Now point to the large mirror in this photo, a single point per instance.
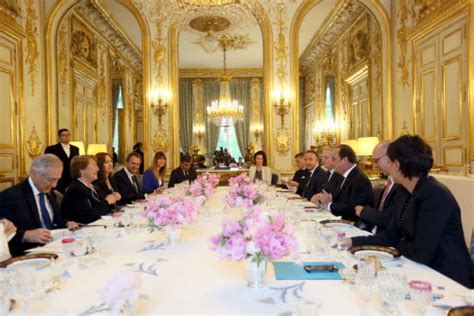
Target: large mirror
pixel 221 72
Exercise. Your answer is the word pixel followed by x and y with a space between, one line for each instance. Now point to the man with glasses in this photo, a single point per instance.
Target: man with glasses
pixel 387 201
pixel 30 206
pixel 65 152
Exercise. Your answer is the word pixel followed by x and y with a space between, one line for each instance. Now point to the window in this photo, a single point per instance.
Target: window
pixel 228 139
pixel 328 104
pixel 115 142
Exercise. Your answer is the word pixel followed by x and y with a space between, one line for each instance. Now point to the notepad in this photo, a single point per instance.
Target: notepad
pixel 292 271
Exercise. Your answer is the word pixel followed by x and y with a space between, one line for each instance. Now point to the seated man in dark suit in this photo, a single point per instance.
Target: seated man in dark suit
pixel 65 152
pixel 428 228
pixel 299 178
pixel 125 181
pixel 355 188
pixel 183 173
pixel 334 179
pixel 387 202
pixel 316 177
pixel 30 207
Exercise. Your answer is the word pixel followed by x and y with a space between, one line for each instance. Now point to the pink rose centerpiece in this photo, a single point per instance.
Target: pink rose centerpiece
pixel 261 235
pixel 242 192
pixel 170 212
pixel 204 185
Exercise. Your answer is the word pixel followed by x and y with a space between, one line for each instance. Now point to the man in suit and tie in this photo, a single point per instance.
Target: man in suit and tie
pixel 65 152
pixel 30 207
pixel 183 173
pixel 355 188
pixel 388 200
pixel 317 176
pixel 334 179
pixel 125 181
pixel 299 178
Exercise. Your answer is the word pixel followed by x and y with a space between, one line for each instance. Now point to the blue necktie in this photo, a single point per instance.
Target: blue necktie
pixel 44 213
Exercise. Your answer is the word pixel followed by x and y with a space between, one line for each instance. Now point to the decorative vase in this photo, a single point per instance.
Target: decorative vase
pixel 173 234
pixel 256 273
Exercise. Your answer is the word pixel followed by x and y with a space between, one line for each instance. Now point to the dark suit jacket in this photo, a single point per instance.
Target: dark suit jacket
pixel 356 190
pixel 374 216
pixel 124 186
pixel 333 183
pixel 428 230
pixel 58 151
pixel 18 204
pixel 300 176
pixel 316 182
pixel 177 176
pixel 81 206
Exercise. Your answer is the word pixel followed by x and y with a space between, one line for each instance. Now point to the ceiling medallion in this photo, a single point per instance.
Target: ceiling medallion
pixel 209 2
pixel 209 24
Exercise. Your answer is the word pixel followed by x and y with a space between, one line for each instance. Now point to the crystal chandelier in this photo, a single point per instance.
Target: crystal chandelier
pixel 225 108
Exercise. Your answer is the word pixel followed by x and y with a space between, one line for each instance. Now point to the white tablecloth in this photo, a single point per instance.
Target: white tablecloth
pixel 189 278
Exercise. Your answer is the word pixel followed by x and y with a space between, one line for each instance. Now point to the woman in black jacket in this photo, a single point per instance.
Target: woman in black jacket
pixel 427 227
pixel 103 184
pixel 82 203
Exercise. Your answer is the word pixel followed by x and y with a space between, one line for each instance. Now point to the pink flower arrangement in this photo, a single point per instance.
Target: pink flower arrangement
pixel 261 234
pixel 242 192
pixel 204 185
pixel 242 179
pixel 169 211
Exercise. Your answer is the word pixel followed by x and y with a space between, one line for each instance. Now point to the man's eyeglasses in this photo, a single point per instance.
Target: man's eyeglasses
pixel 376 160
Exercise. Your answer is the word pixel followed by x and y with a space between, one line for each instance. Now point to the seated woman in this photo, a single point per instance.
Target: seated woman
pixel 81 202
pixel 427 227
pixel 153 177
pixel 260 172
pixel 103 184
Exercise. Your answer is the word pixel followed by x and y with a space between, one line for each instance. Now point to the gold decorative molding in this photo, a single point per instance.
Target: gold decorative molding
pixel 33 145
pixel 404 130
pixel 83 44
pixel 336 23
pixel 376 52
pixel 282 141
pixel 160 140
pixel 185 73
pixel 11 8
pixel 63 63
pixel 402 38
pixel 281 48
pixel 32 53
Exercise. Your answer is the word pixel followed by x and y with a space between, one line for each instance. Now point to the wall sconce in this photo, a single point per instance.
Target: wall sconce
pixel 281 104
pixel 325 134
pixel 159 102
pixel 199 130
pixel 257 130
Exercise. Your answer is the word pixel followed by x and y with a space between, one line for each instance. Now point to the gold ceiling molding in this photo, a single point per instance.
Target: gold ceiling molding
pixel 32 53
pixel 109 18
pixel 209 23
pixel 335 24
pixel 402 38
pixel 11 8
pixel 185 73
pixel 160 140
pixel 93 17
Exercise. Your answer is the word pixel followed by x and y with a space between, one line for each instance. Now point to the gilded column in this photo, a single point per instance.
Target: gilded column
pixel 198 117
pixel 256 127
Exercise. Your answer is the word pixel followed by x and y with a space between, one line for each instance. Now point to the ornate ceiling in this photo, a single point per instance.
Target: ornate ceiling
pixel 313 38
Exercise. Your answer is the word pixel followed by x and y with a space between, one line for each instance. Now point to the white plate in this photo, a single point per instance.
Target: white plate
pixel 35 263
pixel 373 253
pixel 337 225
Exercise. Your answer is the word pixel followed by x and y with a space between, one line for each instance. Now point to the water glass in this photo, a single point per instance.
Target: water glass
pixel 421 294
pixel 329 237
pixel 25 286
pixel 365 277
pixel 393 289
pixel 340 239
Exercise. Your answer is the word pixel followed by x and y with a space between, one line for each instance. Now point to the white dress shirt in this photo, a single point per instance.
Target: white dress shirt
pixel 344 180
pixel 36 193
pixel 67 149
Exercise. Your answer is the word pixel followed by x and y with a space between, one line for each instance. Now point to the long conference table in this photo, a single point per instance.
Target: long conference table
pixel 188 278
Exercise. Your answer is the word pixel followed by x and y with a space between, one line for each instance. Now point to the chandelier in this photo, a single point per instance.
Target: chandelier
pixel 225 108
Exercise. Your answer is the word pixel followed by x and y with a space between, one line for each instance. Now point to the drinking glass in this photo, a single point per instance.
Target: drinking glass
pixel 329 237
pixel 126 219
pixel 421 294
pixel 365 277
pixel 393 289
pixel 340 236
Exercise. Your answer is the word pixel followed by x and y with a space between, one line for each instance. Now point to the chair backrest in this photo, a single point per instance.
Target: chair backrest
pixel 275 178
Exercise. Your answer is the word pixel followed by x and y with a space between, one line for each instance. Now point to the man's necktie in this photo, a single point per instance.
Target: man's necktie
pixel 307 182
pixel 44 212
pixel 385 193
pixel 135 183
